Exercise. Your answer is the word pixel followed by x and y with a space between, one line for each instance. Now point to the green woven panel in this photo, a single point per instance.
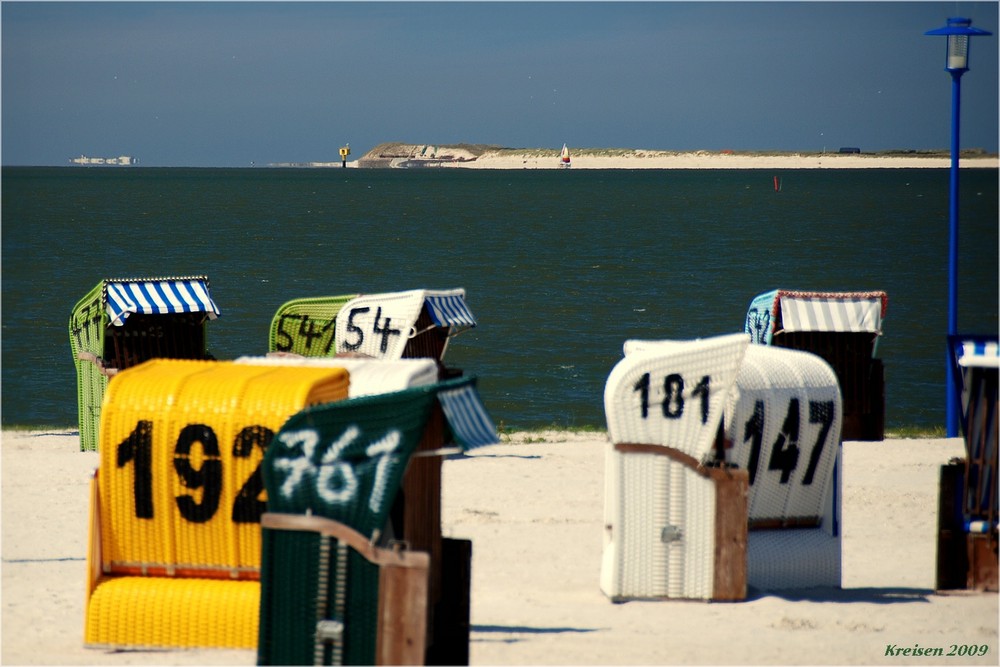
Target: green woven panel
pixel 307 326
pixel 293 599
pixel 86 334
pixel 342 461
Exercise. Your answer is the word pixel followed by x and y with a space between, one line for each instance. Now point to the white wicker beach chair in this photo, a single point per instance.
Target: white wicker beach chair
pixel 784 423
pixel 674 528
pixel 393 325
pixel 368 376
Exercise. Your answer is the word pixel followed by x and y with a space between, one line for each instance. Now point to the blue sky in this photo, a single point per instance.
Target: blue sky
pixel 230 83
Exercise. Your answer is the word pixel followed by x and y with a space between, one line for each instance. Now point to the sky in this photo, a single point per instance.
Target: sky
pixel 238 83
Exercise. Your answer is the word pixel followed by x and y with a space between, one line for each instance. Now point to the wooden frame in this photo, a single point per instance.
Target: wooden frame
pixel 403 583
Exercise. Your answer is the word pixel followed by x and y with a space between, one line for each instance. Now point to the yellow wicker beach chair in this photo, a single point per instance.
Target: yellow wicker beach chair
pixel 177 500
pixel 307 326
pixel 123 322
pixel 675 525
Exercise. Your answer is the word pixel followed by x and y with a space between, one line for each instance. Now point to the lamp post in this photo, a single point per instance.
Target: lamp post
pixel 958 31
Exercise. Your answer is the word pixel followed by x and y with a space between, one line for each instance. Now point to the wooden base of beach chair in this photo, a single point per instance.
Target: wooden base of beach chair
pixel 302 625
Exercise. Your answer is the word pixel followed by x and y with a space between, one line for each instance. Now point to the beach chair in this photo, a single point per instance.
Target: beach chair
pixel 968 504
pixel 174 557
pixel 783 426
pixel 332 479
pixel 396 325
pixel 307 326
pixel 123 322
pixel 844 329
pixel 675 524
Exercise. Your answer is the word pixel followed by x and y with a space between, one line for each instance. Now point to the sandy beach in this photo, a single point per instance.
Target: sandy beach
pixel 462 156
pixel 532 508
pixel 707 160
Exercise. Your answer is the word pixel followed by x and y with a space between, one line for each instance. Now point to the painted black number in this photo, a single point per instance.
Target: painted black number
pixel 208 477
pixel 754 431
pixel 386 331
pixel 642 386
pixel 138 447
pixel 247 508
pixel 354 328
pixel 673 396
pixel 820 412
pixel 785 450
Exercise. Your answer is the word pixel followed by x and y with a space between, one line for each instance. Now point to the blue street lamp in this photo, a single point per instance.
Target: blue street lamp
pixel 958 31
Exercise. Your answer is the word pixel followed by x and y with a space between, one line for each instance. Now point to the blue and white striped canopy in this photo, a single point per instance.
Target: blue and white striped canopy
pixel 449 310
pixel 157 296
pixel 467 416
pixel 978 352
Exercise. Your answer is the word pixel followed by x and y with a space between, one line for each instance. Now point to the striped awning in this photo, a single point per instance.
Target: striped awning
pixel 978 353
pixel 155 296
pixel 466 415
pixel 449 310
pixel 832 311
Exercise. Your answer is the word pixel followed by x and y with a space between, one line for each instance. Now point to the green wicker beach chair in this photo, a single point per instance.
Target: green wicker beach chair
pixel 307 326
pixel 123 322
pixel 332 475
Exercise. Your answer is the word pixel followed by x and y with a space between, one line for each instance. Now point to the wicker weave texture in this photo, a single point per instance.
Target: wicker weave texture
pixel 660 513
pixel 180 441
pixel 159 612
pixel 342 461
pixel 659 537
pixel 791 558
pixel 368 376
pixel 784 421
pixel 672 393
pixel 86 334
pixel 307 326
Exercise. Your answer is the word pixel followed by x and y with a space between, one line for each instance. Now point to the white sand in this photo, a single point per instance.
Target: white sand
pixel 641 159
pixel 533 512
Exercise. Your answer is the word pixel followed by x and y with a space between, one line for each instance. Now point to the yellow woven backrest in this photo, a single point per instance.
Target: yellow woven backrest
pixel 181 442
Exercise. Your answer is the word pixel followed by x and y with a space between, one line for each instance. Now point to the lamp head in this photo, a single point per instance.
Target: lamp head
pixel 958 31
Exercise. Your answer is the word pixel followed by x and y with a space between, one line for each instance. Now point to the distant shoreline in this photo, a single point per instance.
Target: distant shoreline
pixel 469 156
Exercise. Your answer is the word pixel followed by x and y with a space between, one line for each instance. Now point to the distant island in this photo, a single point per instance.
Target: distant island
pixel 120 161
pixel 397 155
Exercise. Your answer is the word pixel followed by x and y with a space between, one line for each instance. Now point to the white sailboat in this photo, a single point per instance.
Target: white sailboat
pixel 564 158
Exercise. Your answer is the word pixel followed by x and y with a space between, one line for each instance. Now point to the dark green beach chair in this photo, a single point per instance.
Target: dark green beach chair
pixel 332 475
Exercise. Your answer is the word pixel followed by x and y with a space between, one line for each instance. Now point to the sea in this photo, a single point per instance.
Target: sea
pixel 560 267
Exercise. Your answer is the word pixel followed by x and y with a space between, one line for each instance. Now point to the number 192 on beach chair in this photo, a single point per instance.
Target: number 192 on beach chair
pixel 174 557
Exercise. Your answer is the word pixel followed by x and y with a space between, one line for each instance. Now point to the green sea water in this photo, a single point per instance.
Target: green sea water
pixel 559 267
